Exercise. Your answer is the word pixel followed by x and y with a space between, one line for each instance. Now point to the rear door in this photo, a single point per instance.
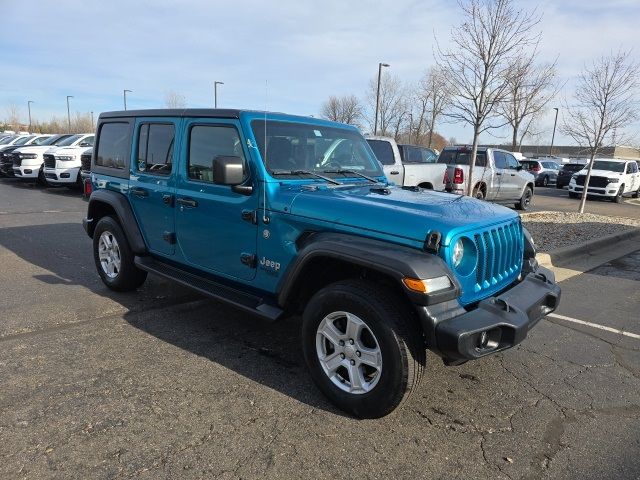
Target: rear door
pixel 152 182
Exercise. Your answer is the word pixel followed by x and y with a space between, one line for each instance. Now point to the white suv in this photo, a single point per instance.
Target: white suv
pixel 610 178
pixel 62 164
pixel 28 161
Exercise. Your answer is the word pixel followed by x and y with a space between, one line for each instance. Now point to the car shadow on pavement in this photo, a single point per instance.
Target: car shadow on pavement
pixel 267 353
pixel 31 185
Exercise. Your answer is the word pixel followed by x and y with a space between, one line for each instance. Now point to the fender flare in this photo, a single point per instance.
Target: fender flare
pixel 120 204
pixel 395 261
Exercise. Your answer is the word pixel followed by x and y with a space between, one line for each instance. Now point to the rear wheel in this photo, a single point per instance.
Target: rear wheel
pixel 363 347
pixel 526 199
pixel 478 193
pixel 637 194
pixel 113 257
pixel 545 181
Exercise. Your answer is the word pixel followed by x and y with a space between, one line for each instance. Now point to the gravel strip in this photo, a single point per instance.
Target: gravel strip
pixel 552 230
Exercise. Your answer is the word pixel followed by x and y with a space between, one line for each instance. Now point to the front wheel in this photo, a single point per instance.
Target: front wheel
pixel 113 257
pixel 545 181
pixel 363 348
pixel 573 195
pixel 619 196
pixel 526 199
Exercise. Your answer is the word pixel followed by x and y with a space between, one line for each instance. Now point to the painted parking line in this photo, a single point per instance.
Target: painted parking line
pixel 594 325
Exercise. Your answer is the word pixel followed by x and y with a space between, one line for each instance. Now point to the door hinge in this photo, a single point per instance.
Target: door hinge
pixel 248 259
pixel 250 216
pixel 169 237
pixel 433 242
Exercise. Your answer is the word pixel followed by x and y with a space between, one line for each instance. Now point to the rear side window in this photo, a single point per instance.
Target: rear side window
pixel 382 151
pixel 113 146
pixel 206 142
pixel 155 148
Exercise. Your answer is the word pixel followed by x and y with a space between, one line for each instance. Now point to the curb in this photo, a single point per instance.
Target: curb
pixel 583 250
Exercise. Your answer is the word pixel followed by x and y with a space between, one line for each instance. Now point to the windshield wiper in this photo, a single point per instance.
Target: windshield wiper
pixel 352 172
pixel 305 172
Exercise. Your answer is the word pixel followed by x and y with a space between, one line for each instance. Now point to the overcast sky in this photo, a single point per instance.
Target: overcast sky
pixel 303 50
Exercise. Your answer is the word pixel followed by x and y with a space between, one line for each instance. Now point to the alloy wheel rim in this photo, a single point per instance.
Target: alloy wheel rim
pixel 348 352
pixel 109 254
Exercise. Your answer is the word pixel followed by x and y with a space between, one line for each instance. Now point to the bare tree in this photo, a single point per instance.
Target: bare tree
pixel 530 87
pixel 436 91
pixel 346 109
pixel 605 102
pixel 174 99
pixel 392 103
pixel 13 117
pixel 493 33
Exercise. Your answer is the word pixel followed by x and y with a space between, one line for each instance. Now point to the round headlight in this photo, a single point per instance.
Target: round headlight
pixel 458 253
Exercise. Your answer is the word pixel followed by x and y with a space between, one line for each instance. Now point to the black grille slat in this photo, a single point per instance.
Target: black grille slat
pixel 49 161
pixel 595 182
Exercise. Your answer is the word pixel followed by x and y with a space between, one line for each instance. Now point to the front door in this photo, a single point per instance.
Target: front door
pixel 500 189
pixel 152 182
pixel 215 226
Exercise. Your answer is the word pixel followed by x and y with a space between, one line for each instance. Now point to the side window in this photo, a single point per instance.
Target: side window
pixel 428 156
pixel 155 148
pixel 634 167
pixel 206 142
pixel 87 141
pixel 511 161
pixel 500 159
pixel 113 147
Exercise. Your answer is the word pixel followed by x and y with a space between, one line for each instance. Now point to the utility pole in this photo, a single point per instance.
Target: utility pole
pixel 553 136
pixel 375 122
pixel 124 94
pixel 215 93
pixel 29 102
pixel 93 125
pixel 69 112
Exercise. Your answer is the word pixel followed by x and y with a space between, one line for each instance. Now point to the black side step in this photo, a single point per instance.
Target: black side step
pixel 244 301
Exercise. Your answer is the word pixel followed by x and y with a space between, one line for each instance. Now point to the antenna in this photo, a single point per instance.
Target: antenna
pixel 265 219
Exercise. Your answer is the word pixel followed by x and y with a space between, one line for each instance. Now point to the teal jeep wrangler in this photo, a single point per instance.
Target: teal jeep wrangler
pixel 278 214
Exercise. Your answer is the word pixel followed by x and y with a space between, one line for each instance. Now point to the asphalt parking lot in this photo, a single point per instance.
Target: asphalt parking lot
pixel 162 383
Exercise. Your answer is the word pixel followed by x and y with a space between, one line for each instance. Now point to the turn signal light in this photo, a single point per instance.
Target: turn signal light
pixel 429 285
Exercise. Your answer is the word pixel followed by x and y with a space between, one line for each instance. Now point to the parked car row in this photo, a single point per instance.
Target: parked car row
pixel 46 159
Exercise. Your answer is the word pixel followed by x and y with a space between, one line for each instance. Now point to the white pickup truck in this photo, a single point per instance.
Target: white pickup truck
pixel 407 173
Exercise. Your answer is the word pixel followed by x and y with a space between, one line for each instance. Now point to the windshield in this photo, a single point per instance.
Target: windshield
pixel 41 141
pixel 462 157
pixel 293 147
pixel 23 140
pixel 608 165
pixel 68 141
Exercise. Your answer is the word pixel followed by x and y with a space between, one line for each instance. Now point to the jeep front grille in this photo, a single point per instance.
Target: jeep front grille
pixel 49 161
pixel 499 254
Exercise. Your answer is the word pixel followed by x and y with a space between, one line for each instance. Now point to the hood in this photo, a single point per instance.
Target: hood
pixel 600 173
pixel 34 149
pixel 395 211
pixel 68 150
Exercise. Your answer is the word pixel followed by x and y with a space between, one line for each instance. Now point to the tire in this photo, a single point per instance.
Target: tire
pixel 388 332
pixel 525 201
pixel 619 196
pixel 478 193
pixel 573 195
pixel 637 194
pixel 41 181
pixel 545 181
pixel 126 277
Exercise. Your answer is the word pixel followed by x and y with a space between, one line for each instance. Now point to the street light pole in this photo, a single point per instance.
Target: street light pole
pixel 69 112
pixel 215 93
pixel 124 94
pixel 375 122
pixel 29 102
pixel 553 136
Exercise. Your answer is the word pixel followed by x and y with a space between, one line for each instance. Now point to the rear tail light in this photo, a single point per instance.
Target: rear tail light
pixel 535 168
pixel 87 188
pixel 458 176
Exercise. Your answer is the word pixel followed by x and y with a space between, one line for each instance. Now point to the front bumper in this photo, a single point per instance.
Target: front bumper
pixel 495 324
pixel 27 171
pixel 610 191
pixel 61 175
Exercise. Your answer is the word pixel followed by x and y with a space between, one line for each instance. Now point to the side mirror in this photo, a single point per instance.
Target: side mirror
pixel 519 167
pixel 85 144
pixel 227 170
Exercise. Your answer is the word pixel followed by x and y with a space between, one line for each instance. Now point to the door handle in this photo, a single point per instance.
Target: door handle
pixel 394 173
pixel 498 173
pixel 139 192
pixel 187 202
pixel 167 199
pixel 513 174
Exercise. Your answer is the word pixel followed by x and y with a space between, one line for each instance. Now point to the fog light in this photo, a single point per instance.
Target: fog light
pixel 64 175
pixel 27 171
pixel 483 340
